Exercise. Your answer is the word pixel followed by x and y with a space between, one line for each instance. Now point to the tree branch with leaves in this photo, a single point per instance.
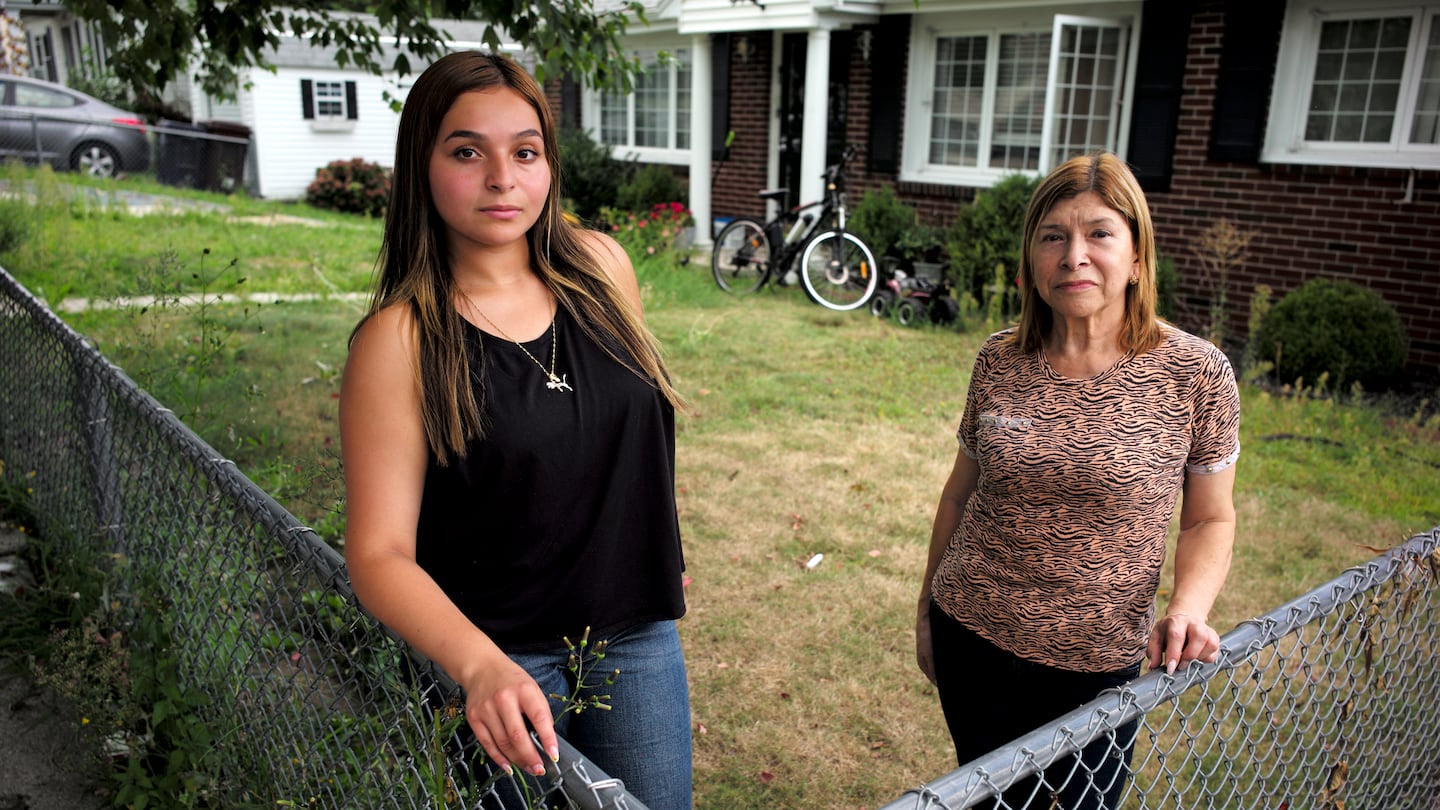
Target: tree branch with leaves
pixel 153 42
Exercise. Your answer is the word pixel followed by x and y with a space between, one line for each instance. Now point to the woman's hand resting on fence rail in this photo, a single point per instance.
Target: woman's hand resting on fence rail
pixel 1181 637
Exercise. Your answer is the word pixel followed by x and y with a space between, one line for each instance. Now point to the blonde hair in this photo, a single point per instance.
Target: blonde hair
pixel 1107 176
pixel 413 265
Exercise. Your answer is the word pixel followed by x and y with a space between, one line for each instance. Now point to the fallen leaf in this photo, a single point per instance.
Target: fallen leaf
pixel 766 777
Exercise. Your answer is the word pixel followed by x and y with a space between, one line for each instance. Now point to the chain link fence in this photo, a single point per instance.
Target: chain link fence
pixel 1330 702
pixel 309 701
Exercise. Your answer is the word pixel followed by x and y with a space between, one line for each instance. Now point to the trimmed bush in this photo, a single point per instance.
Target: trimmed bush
pixel 1167 288
pixel 353 186
pixel 652 184
pixel 988 232
pixel 881 219
pixel 591 177
pixel 1339 328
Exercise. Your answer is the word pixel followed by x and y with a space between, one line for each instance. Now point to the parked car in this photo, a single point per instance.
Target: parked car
pixel 41 120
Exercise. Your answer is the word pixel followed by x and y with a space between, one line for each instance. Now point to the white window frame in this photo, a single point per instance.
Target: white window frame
pixel 928 29
pixel 1294 78
pixel 671 153
pixel 338 101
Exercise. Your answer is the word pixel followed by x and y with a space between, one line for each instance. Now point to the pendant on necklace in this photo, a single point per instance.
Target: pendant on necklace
pixel 558 383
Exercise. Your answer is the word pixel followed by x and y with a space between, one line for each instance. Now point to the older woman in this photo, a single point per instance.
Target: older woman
pixel 1082 427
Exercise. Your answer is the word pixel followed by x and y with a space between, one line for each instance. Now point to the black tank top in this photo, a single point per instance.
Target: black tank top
pixel 564 516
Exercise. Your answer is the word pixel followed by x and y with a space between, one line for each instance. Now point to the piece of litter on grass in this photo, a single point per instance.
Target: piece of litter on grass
pixel 874 552
pixel 814 561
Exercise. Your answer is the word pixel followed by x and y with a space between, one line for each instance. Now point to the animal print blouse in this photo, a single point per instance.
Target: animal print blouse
pixel 1057 557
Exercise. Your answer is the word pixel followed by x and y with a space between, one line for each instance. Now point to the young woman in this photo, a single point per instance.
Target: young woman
pixel 508 433
pixel 1082 428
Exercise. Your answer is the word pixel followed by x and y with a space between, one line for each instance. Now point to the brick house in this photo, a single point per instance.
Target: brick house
pixel 1313 123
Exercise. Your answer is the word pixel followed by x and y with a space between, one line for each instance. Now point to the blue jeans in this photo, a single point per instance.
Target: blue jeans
pixel 990 697
pixel 644 740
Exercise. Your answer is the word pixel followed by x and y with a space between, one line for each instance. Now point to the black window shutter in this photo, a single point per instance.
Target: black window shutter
pixel 887 83
pixel 1250 45
pixel 307 99
pixel 1159 82
pixel 352 110
pixel 719 94
pixel 569 103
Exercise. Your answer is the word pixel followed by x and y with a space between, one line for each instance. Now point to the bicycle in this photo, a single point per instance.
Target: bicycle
pixel 837 268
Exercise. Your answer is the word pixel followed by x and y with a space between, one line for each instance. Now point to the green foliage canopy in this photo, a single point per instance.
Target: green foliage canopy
pixel 151 42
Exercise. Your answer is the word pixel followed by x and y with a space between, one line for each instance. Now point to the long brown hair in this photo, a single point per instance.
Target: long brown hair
pixel 1108 177
pixel 414 269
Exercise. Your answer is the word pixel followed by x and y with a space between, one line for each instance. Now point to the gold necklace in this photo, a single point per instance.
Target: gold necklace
pixel 553 382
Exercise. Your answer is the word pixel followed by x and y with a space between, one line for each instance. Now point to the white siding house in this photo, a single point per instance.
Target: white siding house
pixel 347 117
pixel 309 112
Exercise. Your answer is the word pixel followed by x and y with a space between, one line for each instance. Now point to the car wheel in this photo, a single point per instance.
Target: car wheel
pixel 96 159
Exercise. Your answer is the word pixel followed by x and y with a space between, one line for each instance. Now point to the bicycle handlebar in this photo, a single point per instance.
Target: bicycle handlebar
pixel 833 171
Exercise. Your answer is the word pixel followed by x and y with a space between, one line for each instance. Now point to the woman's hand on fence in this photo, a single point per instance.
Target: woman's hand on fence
pixel 498 702
pixel 1182 637
pixel 924 648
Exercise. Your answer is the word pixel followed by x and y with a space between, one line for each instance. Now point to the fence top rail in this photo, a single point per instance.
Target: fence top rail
pixel 1070 733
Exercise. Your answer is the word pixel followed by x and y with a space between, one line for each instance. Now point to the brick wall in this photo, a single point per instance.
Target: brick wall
pixel 1377 227
pixel 743 174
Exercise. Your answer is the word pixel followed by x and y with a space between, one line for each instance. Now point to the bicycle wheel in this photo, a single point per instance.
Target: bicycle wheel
pixel 741 258
pixel 838 273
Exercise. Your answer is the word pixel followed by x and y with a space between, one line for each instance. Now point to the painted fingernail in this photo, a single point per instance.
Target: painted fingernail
pixel 1170 666
pixel 554 754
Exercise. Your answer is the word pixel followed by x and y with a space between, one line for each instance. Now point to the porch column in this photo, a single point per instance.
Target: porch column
pixel 700 140
pixel 817 103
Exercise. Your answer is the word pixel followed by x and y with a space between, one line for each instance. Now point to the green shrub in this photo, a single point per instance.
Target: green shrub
pixel 353 186
pixel 591 177
pixel 1335 327
pixel 988 232
pixel 652 185
pixel 1167 287
pixel 16 224
pixel 881 219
